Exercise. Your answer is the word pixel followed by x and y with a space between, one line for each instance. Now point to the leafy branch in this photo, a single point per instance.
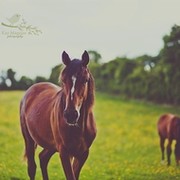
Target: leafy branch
pixel 11 26
pixel 29 28
pixel 25 27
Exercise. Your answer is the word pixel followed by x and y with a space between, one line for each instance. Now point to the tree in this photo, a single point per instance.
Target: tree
pixel 25 83
pixel 3 77
pixel 170 59
pixel 7 80
pixel 171 52
pixel 40 79
pixel 94 56
pixel 54 76
pixel 11 79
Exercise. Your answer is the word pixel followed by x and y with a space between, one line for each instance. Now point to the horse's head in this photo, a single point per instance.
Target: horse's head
pixel 75 78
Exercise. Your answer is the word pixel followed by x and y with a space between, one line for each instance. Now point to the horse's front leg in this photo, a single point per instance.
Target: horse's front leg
pixel 79 162
pixel 66 163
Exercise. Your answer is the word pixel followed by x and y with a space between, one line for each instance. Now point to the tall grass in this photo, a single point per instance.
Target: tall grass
pixel 126 147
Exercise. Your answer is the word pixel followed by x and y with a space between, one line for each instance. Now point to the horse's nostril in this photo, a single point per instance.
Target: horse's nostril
pixel 71 116
pixel 65 114
pixel 75 114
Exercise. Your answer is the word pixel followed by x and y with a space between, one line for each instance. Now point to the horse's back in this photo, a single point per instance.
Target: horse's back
pixel 35 110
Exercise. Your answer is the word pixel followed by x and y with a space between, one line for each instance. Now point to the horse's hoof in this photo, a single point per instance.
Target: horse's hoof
pixel 163 162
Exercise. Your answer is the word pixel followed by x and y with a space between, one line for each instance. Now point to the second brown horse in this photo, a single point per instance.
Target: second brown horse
pixel 60 119
pixel 169 128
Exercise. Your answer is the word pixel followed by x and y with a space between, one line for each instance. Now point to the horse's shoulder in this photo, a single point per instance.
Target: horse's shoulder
pixel 40 93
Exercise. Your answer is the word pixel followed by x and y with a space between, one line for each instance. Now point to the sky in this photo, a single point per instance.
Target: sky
pixel 113 28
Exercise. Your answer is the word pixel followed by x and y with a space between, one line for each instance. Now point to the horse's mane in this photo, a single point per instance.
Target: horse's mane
pixel 90 95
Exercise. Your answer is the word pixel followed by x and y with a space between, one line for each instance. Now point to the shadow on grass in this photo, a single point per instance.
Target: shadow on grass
pixel 16 178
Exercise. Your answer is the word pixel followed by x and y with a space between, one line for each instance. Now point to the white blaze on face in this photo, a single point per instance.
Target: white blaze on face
pixel 73 86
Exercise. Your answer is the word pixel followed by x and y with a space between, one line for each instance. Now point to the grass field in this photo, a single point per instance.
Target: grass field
pixel 126 147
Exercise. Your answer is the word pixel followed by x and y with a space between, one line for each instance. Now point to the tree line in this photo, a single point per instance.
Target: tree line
pixel 9 82
pixel 145 77
pixel 154 78
pixel 8 79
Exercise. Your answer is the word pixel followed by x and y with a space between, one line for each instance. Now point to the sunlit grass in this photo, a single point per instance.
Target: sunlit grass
pixel 126 147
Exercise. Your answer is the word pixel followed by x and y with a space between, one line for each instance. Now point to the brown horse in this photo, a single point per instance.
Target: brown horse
pixel 169 128
pixel 60 119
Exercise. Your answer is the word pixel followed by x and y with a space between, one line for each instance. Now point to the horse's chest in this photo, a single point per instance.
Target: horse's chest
pixel 76 145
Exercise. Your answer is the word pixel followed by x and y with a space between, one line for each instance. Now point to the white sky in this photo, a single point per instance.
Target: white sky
pixel 111 27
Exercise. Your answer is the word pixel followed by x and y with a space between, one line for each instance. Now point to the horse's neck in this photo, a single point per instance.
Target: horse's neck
pixel 83 117
pixel 60 104
pixel 62 101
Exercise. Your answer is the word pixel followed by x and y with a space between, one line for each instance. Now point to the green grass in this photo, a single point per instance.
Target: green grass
pixel 126 147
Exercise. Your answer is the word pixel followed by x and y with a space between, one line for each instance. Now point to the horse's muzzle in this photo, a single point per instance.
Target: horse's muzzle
pixel 71 116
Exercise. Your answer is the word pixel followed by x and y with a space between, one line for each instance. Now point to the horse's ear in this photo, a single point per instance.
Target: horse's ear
pixel 85 58
pixel 65 58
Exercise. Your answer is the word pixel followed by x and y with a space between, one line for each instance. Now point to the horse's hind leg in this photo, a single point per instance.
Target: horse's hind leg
pixel 29 151
pixel 162 141
pixel 169 151
pixel 44 157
